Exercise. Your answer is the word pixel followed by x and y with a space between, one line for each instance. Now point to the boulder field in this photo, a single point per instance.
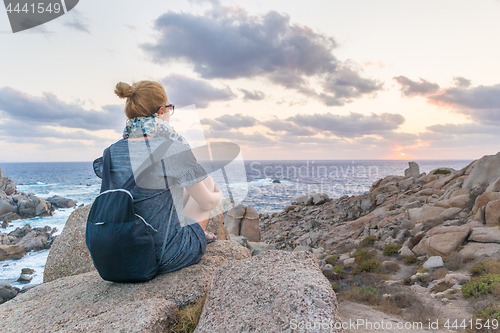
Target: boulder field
pixel 73 297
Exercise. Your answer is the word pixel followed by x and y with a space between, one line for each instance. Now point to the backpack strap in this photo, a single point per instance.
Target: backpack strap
pixel 106 173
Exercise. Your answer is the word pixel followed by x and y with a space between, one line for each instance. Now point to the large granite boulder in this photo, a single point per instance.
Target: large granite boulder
pixel 8 252
pixel 250 225
pixel 86 303
pixel 5 207
pixel 492 212
pixel 484 199
pixel 485 235
pixel 480 250
pixel 69 254
pixel 413 170
pixel 486 170
pixel 270 292
pixel 441 241
pixel 216 223
pixel 232 220
pixel 60 202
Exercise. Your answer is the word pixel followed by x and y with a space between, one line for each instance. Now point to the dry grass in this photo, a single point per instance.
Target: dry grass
pixel 404 304
pixel 441 287
pixel 456 261
pixel 188 318
pixel 390 268
pixel 440 273
pixel 485 267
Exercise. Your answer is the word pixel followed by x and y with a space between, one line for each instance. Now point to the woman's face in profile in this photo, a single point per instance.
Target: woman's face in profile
pixel 165 113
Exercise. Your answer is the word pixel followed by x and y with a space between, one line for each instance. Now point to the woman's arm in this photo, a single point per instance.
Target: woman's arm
pixel 206 198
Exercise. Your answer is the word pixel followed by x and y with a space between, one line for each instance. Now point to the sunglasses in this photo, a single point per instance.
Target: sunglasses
pixel 169 107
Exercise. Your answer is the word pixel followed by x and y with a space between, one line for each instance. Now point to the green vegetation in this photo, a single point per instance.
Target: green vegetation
pixel 391 249
pixel 372 265
pixel 364 257
pixel 360 253
pixel 481 285
pixel 485 267
pixel 335 287
pixel 489 313
pixel 368 241
pixel 338 270
pixel 442 172
pixel 410 259
pixel 391 268
pixel 332 260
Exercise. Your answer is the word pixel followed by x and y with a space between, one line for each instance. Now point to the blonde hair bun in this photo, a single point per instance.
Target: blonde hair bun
pixel 124 90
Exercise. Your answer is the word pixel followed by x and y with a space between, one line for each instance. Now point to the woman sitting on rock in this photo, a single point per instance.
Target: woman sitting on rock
pixel 177 183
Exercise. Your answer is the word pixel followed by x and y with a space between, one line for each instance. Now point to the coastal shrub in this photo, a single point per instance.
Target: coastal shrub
pixel 360 253
pixel 423 280
pixel 440 273
pixel 372 265
pixel 338 270
pixel 410 259
pixel 365 294
pixel 481 285
pixel 330 275
pixel 391 268
pixel 490 313
pixel 407 281
pixel 442 172
pixel 453 261
pixel 369 241
pixel 332 260
pixel 188 317
pixel 441 287
pixel 364 257
pixel 335 287
pixel 391 249
pixel 485 267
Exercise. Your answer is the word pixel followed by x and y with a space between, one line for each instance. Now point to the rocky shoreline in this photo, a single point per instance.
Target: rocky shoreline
pixel 16 205
pixel 409 246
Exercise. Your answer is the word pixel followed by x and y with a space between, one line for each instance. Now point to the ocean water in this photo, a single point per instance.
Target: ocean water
pixel 250 182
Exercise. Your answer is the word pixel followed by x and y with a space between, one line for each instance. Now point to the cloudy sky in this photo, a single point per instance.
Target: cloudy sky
pixel 306 80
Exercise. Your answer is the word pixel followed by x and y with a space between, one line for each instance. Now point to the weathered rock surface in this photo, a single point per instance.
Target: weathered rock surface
pixel 494 186
pixel 249 295
pixel 485 235
pixel 250 225
pixel 7 292
pixel 232 220
pixel 216 223
pixel 259 247
pixel 69 254
pixel 483 199
pixel 60 202
pixel 8 252
pixel 86 303
pixel 434 262
pixel 413 170
pixel 486 170
pixel 480 249
pixel 492 213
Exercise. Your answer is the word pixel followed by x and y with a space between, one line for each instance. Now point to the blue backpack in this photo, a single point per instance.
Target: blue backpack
pixel 120 241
